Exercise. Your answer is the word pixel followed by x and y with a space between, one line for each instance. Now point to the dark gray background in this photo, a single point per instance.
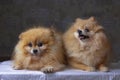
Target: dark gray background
pixel 18 15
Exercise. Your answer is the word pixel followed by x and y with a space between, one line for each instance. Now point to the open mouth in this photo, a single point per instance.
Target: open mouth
pixel 82 37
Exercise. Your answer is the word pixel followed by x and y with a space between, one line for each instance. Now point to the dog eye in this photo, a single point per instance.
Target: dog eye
pixel 40 44
pixel 30 44
pixel 87 30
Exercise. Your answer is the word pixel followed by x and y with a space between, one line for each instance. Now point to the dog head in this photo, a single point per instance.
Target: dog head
pixel 35 41
pixel 86 29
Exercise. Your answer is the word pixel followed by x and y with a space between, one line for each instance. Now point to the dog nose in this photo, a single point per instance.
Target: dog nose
pixel 79 31
pixel 35 51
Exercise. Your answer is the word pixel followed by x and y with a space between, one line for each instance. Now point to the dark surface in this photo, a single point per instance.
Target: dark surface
pixel 18 15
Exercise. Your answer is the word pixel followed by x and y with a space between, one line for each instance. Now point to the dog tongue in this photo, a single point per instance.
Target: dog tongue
pixel 81 36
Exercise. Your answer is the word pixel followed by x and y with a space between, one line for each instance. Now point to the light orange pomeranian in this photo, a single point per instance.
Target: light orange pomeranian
pixel 87 47
pixel 39 49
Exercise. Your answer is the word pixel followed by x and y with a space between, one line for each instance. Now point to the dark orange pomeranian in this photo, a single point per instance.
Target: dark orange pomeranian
pixel 39 49
pixel 87 47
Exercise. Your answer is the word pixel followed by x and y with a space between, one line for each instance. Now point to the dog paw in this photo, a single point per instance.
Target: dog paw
pixel 48 69
pixel 103 69
pixel 17 67
pixel 91 69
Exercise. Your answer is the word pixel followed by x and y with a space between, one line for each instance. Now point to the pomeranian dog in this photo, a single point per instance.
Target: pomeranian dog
pixel 39 49
pixel 87 47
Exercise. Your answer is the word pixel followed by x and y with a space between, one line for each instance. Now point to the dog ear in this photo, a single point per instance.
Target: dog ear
pixel 78 19
pixel 99 28
pixel 92 18
pixel 52 30
pixel 21 35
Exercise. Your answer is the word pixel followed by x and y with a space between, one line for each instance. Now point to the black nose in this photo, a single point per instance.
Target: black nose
pixel 79 31
pixel 35 51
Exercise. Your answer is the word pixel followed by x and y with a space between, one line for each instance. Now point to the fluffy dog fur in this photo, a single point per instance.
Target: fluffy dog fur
pixel 39 49
pixel 87 47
